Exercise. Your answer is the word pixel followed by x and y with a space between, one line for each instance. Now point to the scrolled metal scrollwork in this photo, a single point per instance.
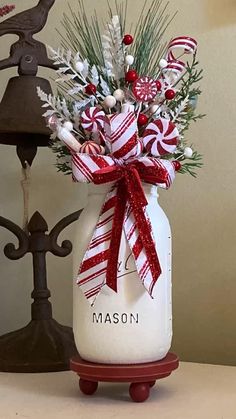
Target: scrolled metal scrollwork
pixel 10 250
pixel 66 246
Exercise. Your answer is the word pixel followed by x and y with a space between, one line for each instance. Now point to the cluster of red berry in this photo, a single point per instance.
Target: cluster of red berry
pixel 6 9
pixel 131 76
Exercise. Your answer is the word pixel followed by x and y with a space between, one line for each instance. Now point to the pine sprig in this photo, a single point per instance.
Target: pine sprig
pixel 188 90
pixel 83 35
pixel 195 162
pixel 151 27
pixel 63 157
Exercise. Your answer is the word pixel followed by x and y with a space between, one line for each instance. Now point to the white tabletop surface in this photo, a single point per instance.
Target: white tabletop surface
pixel 194 391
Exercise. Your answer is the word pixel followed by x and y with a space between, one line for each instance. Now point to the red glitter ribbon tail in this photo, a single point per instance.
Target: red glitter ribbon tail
pixel 117 227
pixel 138 203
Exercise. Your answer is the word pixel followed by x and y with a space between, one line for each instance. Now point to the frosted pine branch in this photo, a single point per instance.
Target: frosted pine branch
pixel 104 86
pixel 112 50
pixel 57 105
pixel 181 109
pixel 67 62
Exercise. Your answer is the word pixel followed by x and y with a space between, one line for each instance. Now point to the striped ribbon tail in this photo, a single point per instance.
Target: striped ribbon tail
pixel 138 251
pixel 92 272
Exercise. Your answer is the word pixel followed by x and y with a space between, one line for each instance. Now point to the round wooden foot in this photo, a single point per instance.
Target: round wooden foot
pixel 139 392
pixel 142 376
pixel 88 387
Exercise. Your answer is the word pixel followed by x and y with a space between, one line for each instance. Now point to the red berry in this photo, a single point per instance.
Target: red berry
pixel 159 85
pixel 177 165
pixel 170 94
pixel 131 76
pixel 142 119
pixel 90 89
pixel 128 39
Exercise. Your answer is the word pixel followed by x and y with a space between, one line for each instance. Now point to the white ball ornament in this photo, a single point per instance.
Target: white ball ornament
pixel 129 59
pixel 188 152
pixel 79 66
pixel 68 125
pixel 163 63
pixel 119 95
pixel 110 101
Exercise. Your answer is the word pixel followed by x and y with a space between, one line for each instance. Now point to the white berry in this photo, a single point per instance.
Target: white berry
pixel 68 125
pixel 129 59
pixel 79 66
pixel 110 101
pixel 163 63
pixel 188 152
pixel 119 95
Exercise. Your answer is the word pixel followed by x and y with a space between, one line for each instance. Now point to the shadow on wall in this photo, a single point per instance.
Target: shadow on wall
pixel 220 12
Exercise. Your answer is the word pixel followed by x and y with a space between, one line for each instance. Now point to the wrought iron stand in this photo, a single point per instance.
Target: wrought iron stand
pixel 43 345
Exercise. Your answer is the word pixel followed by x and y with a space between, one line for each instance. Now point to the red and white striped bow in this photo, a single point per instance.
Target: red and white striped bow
pixel 124 208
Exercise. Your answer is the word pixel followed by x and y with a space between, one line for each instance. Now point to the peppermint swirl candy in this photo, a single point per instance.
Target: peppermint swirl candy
pixel 92 148
pixel 145 89
pixel 93 119
pixel 161 137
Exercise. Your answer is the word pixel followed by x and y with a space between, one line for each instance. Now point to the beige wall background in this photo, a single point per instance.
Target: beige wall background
pixel 202 211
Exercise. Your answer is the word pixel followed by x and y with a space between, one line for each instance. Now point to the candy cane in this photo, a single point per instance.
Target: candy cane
pixel 175 66
pixel 184 42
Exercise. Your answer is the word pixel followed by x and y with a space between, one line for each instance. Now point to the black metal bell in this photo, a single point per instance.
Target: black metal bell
pixel 21 120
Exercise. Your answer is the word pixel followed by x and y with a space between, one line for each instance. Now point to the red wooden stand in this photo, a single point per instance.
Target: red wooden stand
pixel 141 376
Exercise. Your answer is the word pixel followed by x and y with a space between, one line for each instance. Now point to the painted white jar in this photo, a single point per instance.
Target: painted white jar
pixel 128 326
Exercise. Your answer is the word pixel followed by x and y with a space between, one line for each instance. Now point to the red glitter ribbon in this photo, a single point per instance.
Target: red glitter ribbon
pixel 124 209
pixel 129 188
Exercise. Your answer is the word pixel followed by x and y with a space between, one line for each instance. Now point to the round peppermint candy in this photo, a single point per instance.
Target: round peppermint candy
pixel 161 137
pixel 90 147
pixel 93 119
pixel 145 89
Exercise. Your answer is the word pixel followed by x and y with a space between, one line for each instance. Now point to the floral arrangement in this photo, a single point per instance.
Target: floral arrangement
pixel 124 105
pixel 107 72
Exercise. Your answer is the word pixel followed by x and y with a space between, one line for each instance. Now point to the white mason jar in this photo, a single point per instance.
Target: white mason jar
pixel 128 326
